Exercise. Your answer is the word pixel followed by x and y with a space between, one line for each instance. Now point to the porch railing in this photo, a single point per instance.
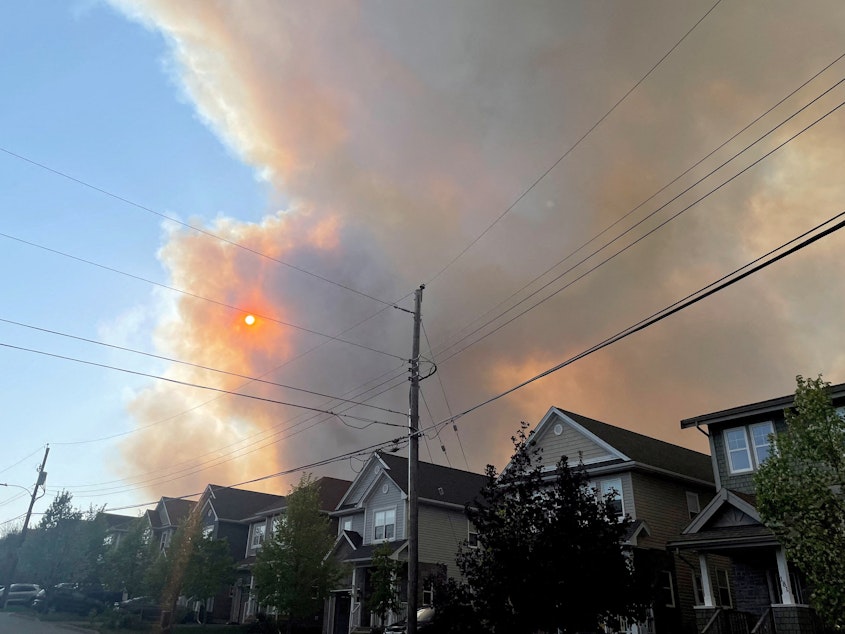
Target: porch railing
pixel 766 624
pixel 727 622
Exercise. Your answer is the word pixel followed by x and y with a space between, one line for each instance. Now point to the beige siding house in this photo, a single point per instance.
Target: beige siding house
pixel 660 486
pixel 374 513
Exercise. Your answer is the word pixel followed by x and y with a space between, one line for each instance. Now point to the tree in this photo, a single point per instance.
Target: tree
pixel 800 494
pixel 126 565
pixel 384 596
pixel 549 553
pixel 66 546
pixel 292 572
pixel 210 567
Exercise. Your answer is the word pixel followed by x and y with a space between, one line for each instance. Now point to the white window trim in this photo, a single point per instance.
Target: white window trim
pixel 671 587
pixel 728 587
pixel 471 530
pixel 395 524
pixel 750 447
pixel 598 485
pixel 258 537
pixel 693 504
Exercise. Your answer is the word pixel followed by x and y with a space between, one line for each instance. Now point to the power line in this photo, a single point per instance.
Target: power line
pixel 640 205
pixel 190 226
pixel 22 459
pixel 572 147
pixel 195 385
pixel 238 309
pixel 799 242
pixel 250 379
pixel 651 231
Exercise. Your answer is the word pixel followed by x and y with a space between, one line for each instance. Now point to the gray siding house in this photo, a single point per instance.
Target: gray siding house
pixel 661 486
pixel 743 578
pixel 374 513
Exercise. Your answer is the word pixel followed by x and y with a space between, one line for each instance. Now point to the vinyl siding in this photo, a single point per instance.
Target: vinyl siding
pixel 357 523
pixel 362 484
pixel 742 482
pixel 442 531
pixel 571 443
pixel 378 500
pixel 662 503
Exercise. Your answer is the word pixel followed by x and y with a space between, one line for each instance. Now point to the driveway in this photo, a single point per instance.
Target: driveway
pixel 11 623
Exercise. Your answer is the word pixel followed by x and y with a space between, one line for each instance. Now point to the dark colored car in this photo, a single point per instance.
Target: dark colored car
pixel 147 608
pixel 22 593
pixel 73 598
pixel 425 619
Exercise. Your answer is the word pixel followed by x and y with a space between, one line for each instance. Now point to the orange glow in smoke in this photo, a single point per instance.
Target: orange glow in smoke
pixel 249 320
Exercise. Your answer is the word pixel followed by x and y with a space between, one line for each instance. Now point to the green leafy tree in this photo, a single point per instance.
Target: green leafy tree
pixel 386 573
pixel 292 572
pixel 549 554
pixel 210 567
pixel 126 566
pixel 66 546
pixel 800 491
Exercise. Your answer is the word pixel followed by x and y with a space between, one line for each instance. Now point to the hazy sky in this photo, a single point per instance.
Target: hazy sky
pixel 314 163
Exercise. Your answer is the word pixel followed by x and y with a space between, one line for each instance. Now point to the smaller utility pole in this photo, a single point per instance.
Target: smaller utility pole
pixel 413 463
pixel 42 478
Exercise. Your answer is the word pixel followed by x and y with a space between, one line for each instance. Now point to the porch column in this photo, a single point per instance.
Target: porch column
pixel 783 578
pixel 706 586
pixel 352 622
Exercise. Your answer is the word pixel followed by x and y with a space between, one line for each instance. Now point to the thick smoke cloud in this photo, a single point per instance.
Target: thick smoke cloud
pixel 397 132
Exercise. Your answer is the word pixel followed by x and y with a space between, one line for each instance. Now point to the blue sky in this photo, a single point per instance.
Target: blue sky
pixel 388 147
pixel 88 94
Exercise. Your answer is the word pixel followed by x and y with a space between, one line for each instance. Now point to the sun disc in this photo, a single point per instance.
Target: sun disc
pixel 249 320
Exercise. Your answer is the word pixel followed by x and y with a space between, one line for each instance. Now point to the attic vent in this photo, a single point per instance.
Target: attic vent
pixel 440 491
pixel 558 429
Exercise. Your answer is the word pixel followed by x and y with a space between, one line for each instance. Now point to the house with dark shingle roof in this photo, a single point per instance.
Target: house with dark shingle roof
pixel 225 514
pixel 374 513
pixel 261 526
pixel 660 486
pixel 168 515
pixel 742 575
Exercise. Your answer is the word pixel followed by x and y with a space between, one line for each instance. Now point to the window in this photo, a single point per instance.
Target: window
pixel 384 528
pixel 667 589
pixel 723 588
pixel 347 525
pixel 428 593
pixel 697 588
pixel 693 504
pixel 258 533
pixel 472 537
pixel 748 447
pixel 613 488
pixel 207 531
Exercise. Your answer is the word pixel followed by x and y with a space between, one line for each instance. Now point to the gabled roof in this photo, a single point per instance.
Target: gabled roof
pixel 645 450
pixel 176 510
pixel 331 491
pixel 730 520
pixel 762 407
pixel 238 504
pixel 435 482
pixel 117 522
pixel 153 518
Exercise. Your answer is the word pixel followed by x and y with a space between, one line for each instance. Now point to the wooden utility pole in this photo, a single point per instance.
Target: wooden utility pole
pixel 413 463
pixel 42 478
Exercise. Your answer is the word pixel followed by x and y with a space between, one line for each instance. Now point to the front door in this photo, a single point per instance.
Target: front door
pixel 342 607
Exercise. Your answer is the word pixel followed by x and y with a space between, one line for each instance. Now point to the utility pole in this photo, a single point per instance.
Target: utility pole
pixel 42 478
pixel 413 463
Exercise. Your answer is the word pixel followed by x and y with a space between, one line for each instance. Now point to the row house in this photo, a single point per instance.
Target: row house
pixel 660 486
pixel 374 513
pixel 168 515
pixel 744 581
pixel 262 525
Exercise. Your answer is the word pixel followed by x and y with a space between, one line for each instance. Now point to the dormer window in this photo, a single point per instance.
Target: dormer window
pixel 748 447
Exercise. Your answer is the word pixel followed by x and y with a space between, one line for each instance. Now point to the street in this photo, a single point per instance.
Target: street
pixel 11 623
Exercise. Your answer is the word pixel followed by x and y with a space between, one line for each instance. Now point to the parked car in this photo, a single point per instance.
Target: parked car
pixel 425 619
pixel 70 597
pixel 22 593
pixel 147 608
